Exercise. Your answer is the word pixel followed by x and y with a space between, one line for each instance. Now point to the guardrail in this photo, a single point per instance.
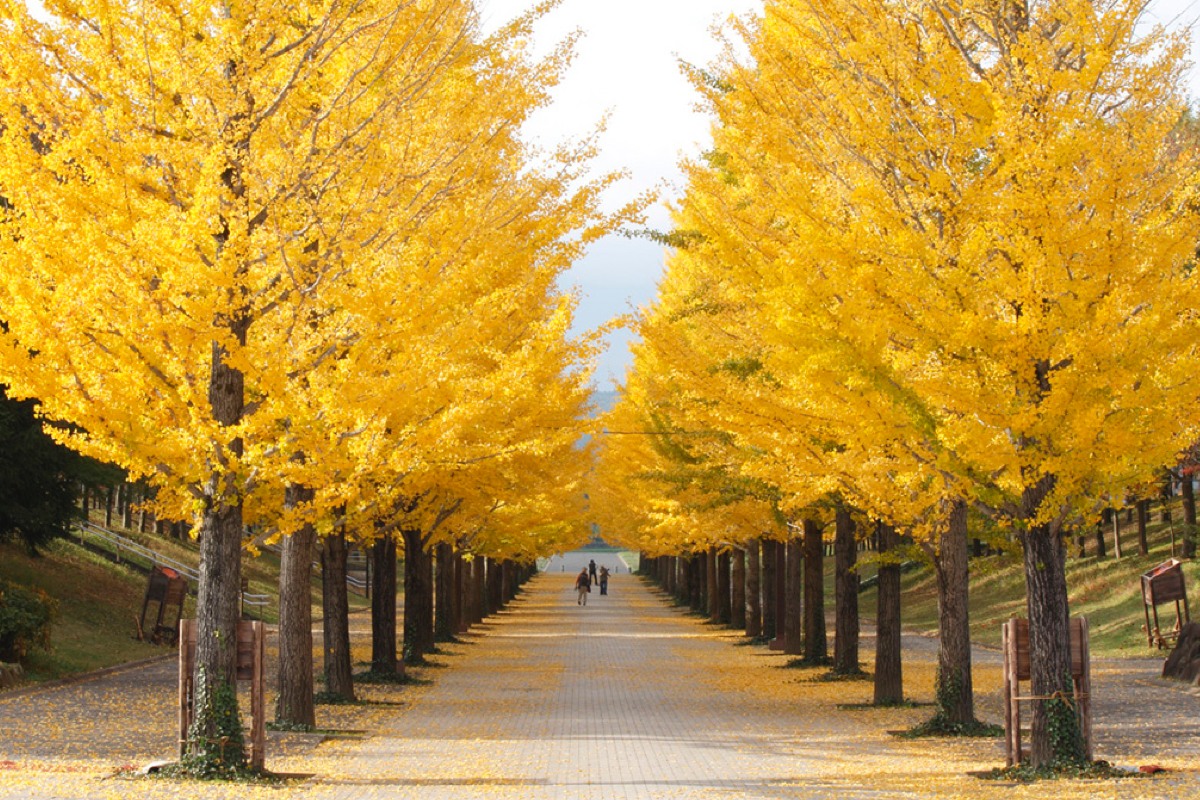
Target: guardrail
pixel 120 543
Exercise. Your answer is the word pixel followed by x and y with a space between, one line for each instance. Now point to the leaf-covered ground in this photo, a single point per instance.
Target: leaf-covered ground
pixel 627 697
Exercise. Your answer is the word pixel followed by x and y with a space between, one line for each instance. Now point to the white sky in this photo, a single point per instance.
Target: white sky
pixel 627 67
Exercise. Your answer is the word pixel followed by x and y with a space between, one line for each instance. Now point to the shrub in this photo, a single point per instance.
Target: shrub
pixel 26 615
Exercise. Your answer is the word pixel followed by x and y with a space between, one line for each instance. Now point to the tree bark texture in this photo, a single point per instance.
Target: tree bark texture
pixel 724 592
pixel 478 589
pixel 768 553
pixel 445 598
pixel 955 691
pixel 294 702
pixel 383 606
pixel 462 577
pixel 737 588
pixel 712 595
pixel 845 594
pixel 793 620
pixel 339 675
pixel 1049 636
pixel 495 585
pixel 754 607
pixel 816 649
pixel 418 597
pixel 889 678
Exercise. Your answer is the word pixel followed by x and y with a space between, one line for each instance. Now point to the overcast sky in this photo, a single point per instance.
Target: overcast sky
pixel 627 66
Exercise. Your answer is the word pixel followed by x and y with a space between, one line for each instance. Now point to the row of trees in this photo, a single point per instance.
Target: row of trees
pixel 292 265
pixel 938 262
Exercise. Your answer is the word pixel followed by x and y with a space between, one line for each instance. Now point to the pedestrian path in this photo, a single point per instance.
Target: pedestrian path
pixel 630 697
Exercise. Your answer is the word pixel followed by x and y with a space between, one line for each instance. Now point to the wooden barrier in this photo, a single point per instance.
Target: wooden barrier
pixel 251 650
pixel 1015 643
pixel 1161 585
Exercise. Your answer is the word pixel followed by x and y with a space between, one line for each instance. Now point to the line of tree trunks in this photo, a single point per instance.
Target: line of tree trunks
pixel 793 621
pixel 845 593
pixel 335 604
pixel 294 702
pixel 383 607
pixel 754 622
pixel 955 694
pixel 889 682
pixel 816 650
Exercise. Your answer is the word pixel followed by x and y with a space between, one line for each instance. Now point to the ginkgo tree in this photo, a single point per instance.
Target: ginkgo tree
pixel 977 212
pixel 213 217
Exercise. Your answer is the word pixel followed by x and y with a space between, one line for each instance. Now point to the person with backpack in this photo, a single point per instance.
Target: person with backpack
pixel 583 585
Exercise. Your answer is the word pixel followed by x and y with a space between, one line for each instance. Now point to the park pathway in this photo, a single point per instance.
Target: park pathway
pixel 628 697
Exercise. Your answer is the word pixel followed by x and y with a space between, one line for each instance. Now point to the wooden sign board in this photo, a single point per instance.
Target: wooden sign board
pixel 1161 585
pixel 251 651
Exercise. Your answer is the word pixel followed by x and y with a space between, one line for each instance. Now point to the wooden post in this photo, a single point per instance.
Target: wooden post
pixel 251 661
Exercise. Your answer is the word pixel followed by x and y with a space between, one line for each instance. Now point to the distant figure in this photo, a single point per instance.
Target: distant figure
pixel 592 570
pixel 583 585
pixel 603 580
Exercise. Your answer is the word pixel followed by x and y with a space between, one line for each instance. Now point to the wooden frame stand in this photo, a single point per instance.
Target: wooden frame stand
pixel 169 589
pixel 1161 585
pixel 1015 643
pixel 251 651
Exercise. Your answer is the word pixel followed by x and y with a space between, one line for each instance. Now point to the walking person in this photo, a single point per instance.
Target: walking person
pixel 592 570
pixel 583 585
pixel 603 580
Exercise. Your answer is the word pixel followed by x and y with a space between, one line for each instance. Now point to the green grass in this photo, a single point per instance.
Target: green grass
pixel 1106 591
pixel 98 605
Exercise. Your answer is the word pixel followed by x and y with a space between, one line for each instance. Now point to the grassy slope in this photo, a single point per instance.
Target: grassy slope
pixel 1106 591
pixel 99 600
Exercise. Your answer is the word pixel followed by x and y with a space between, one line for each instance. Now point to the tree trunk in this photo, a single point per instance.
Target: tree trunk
pixel 1118 549
pixel 724 594
pixel 127 506
pixel 737 588
pixel 1049 647
pixel 216 731
pixel 889 678
pixel 955 694
pixel 816 649
pixel 111 498
pixel 1189 517
pixel 417 597
pixel 495 585
pixel 793 621
pixel 712 595
pixel 478 589
pixel 335 603
pixel 845 577
pixel 444 619
pixel 754 622
pixel 294 703
pixel 383 606
pixel 462 576
pixel 1101 547
pixel 1143 519
pixel 767 555
pixel 695 569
